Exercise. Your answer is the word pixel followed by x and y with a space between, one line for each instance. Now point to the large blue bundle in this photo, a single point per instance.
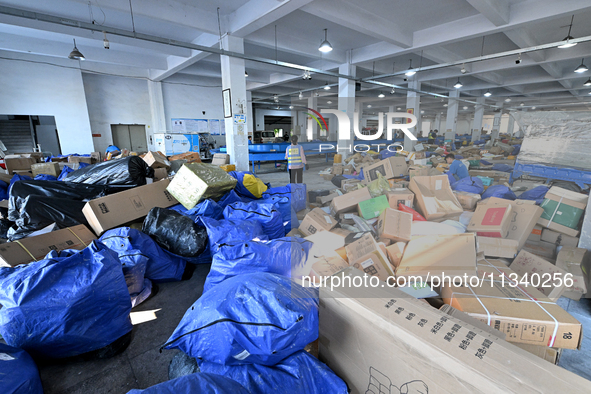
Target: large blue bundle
pixel 296 192
pixel 134 264
pixel 288 214
pixel 18 372
pixel 502 167
pixel 516 149
pixel 536 194
pixel 162 266
pixel 471 184
pixel 253 318
pixel 45 177
pixel 230 198
pixel 277 257
pixel 4 191
pixel 265 214
pixel 300 373
pixel 500 191
pixel 207 208
pixel 197 383
pixel 240 188
pixel 227 231
pixel 67 304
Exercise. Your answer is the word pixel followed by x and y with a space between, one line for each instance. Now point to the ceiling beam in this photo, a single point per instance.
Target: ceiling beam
pixel 496 11
pixel 249 18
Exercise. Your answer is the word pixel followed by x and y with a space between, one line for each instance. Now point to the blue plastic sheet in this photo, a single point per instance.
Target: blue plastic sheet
pixel 4 191
pixel 485 162
pixel 277 257
pixel 516 149
pixel 288 214
pixel 197 383
pixel 300 373
pixel 162 266
pixel 499 191
pixel 451 178
pixel 502 167
pixel 134 264
pixel 253 318
pixel 230 198
pixel 471 184
pixel 207 208
pixel 18 372
pixel 240 189
pixel 265 214
pixel 296 192
pixel 226 231
pixel 70 303
pixel 45 177
pixel 536 194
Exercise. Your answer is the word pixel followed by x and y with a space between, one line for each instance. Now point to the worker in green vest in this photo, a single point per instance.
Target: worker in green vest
pixel 296 160
pixel 431 137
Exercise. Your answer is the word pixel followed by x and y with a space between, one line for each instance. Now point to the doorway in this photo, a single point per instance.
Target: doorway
pixel 131 137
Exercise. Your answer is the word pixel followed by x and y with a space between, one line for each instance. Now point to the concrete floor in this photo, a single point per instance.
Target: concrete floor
pixel 142 365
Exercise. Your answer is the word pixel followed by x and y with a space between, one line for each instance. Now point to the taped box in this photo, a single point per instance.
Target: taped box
pixel 317 220
pixel 434 198
pixel 380 340
pixel 491 221
pixel 547 278
pixel 570 259
pixel 52 169
pixel 392 167
pixel 394 225
pixel 467 200
pixel 348 201
pixel 557 238
pixel 524 217
pixel 400 195
pixel 366 255
pixel 497 247
pixel 156 160
pixel 563 210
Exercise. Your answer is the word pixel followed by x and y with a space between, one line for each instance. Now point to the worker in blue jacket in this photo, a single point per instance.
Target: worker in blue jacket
pixel 456 168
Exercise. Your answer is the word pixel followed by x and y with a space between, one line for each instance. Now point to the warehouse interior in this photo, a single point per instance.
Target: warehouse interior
pixel 172 172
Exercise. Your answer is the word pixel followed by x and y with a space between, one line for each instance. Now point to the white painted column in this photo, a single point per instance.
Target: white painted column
pixel 249 114
pixel 312 125
pixel 510 125
pixel 412 102
pixel 496 128
pixel 233 78
pixel 437 123
pixel 346 104
pixel 478 116
pixel 157 111
pixel 451 122
pixel 294 121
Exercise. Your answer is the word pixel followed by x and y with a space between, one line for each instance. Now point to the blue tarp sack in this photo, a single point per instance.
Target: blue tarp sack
pixel 207 208
pixel 452 179
pixel 18 372
pixel 162 266
pixel 502 167
pixel 230 198
pixel 45 177
pixel 296 192
pixel 258 318
pixel 536 194
pixel 247 184
pixel 516 149
pixel 485 163
pixel 65 306
pixel 4 191
pixel 300 373
pixel 470 184
pixel 277 257
pixel 499 191
pixel 225 231
pixel 196 383
pixel 288 214
pixel 134 264
pixel 266 214
pixel 67 169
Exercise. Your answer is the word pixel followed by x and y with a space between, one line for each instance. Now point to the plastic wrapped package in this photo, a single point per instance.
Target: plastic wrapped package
pixel 207 208
pixel 248 185
pixel 256 318
pixel 175 232
pixel 198 181
pixel 296 192
pixel 502 167
pixel 266 214
pixel 536 194
pixel 288 214
pixel 65 306
pixel 300 373
pixel 471 184
pixel 230 198
pixel 18 372
pixel 196 383
pixel 227 231
pixel 277 256
pixel 378 187
pixel 127 171
pixel 500 191
pixel 161 265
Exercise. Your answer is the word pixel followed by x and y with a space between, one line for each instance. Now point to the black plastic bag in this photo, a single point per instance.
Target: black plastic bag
pixel 128 171
pixel 175 232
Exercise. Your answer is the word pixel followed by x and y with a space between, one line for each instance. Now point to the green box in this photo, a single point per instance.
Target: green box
pixel 486 181
pixel 372 208
pixel 564 214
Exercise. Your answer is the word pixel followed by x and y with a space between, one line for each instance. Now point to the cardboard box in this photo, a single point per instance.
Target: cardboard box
pixel 120 208
pixel 46 168
pixel 220 159
pixel 295 233
pixel 96 157
pixel 348 169
pixel 18 163
pixel 491 221
pixel 35 155
pixel 542 249
pixel 563 210
pixel 337 170
pixel 365 255
pixel 540 273
pixel 326 199
pixel 27 249
pixel 23 172
pixel 160 173
pixel 395 225
pixel 391 167
pixel 317 220
pixel 191 157
pixel 524 218
pixel 536 233
pixel 156 160
pixel 497 247
pixel 434 198
pixel 349 185
pixel 372 208
pixel 558 239
pixel 570 259
pixel 400 195
pixel 395 253
pixel 348 202
pixel 380 340
pixel 521 312
pixel 80 159
pixel 549 354
pixel 468 201
pixel 435 255
pixel 327 266
pixel 398 183
pixel 497 176
pixel 417 170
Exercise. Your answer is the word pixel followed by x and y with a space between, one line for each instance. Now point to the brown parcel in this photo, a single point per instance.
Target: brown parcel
pixel 395 253
pixel 160 173
pixel 536 234
pixel 558 239
pixel 540 273
pixel 545 250
pixel 380 340
pixel 467 200
pixel 18 163
pixel 348 202
pixel 219 159
pixel 327 266
pixel 317 220
pixel 392 167
pixel 570 259
pixel 80 159
pixel 46 168
pixel 564 198
pixel 549 354
pixel 491 221
pixel 497 247
pixel 436 255
pixel 366 255
pixel 434 198
pixel 394 225
pixel 27 249
pixel 156 160
pixel 117 209
pixel 400 195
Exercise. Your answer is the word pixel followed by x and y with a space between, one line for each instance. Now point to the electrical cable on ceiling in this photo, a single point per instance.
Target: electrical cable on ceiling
pixel 132 21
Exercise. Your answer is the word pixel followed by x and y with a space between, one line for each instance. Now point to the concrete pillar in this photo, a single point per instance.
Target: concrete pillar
pixel 437 123
pixel 157 111
pixel 294 121
pixel 236 126
pixel 332 128
pixel 511 125
pixel 478 115
pixel 346 104
pixel 451 122
pixel 412 102
pixel 249 114
pixel 496 128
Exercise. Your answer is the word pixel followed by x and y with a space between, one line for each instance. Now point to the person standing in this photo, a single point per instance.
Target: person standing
pixel 432 136
pixel 296 160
